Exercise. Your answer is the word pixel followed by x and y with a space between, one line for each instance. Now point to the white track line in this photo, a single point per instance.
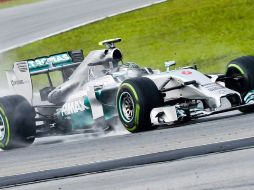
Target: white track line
pixel 79 25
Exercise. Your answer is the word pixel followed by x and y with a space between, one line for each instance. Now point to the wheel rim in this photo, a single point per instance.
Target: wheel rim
pixel 2 128
pixel 127 106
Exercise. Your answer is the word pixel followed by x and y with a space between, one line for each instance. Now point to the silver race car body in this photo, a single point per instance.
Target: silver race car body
pixel 100 87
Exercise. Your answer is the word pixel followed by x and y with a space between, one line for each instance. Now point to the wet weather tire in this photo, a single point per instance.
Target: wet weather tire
pixel 17 122
pixel 135 100
pixel 242 66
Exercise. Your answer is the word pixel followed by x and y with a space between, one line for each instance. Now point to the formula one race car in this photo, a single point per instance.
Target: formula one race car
pixel 97 90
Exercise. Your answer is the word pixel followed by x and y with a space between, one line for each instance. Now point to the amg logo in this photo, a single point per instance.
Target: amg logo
pixel 70 108
pixel 17 82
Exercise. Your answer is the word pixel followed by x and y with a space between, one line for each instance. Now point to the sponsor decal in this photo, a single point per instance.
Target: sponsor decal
pixel 214 87
pixel 49 61
pixel 73 107
pixel 224 91
pixel 186 72
pixel 17 82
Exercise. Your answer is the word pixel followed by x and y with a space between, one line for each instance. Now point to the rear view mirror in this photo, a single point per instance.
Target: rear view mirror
pixel 168 64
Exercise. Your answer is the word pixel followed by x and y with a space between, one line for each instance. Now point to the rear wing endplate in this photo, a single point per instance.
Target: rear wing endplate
pixel 19 80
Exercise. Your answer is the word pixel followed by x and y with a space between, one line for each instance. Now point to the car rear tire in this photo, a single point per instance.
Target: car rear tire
pixel 243 67
pixel 17 122
pixel 135 100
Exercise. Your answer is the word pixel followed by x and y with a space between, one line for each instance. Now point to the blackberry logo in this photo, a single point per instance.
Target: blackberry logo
pixel 17 82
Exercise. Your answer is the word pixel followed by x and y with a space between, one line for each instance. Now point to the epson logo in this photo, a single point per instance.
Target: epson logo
pixel 213 87
pixel 17 82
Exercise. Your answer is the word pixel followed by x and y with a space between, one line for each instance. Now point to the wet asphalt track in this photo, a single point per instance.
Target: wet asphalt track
pixel 23 24
pixel 59 152
pixel 224 171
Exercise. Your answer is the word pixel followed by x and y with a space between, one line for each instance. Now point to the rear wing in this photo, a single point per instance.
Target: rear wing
pixel 55 62
pixel 19 78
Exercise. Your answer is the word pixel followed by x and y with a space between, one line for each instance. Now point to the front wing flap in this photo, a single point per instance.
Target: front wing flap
pixel 170 114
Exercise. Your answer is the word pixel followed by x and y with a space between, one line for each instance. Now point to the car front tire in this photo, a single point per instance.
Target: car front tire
pixel 135 100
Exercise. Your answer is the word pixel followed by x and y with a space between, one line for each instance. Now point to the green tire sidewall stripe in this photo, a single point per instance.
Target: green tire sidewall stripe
pixel 130 88
pixel 237 67
pixel 6 122
pixel 137 109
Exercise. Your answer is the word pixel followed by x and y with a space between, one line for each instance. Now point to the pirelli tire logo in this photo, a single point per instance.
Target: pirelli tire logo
pixel 73 107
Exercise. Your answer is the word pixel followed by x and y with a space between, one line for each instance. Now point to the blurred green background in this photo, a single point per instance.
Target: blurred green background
pixel 204 32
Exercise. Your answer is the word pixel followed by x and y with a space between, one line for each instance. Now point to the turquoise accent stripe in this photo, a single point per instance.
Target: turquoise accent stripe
pixel 52 61
pixel 249 96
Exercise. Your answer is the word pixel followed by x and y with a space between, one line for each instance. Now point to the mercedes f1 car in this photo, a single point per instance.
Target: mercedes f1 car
pixel 96 90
